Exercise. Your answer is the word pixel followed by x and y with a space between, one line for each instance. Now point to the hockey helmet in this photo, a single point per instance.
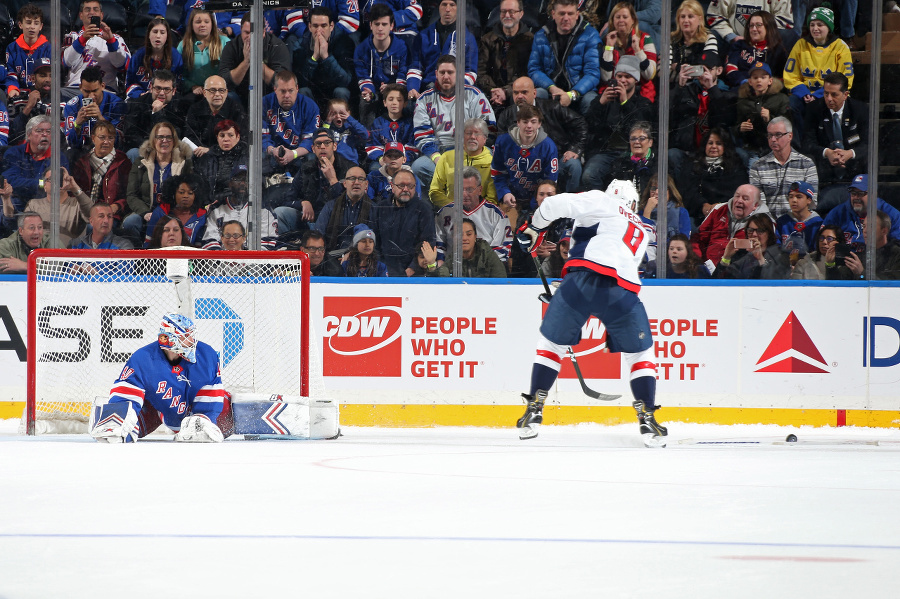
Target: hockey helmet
pixel 624 192
pixel 176 333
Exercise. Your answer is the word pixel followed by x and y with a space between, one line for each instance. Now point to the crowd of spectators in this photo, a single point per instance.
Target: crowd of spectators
pixel 767 152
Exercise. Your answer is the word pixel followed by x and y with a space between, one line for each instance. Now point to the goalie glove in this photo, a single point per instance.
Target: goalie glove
pixel 530 237
pixel 199 429
pixel 115 423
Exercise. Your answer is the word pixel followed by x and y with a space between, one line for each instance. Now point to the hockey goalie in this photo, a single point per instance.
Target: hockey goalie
pixel 176 381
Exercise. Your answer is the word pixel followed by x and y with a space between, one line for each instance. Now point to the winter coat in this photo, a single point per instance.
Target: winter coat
pixel 749 105
pixel 717 228
pixel 323 76
pixel 309 184
pixel 483 263
pixel 215 167
pixel 493 45
pixel 13 247
pixel 200 122
pixel 579 61
pixel 701 183
pixel 744 265
pixel 113 186
pixel 684 113
pixel 141 189
pixel 400 231
pixel 609 123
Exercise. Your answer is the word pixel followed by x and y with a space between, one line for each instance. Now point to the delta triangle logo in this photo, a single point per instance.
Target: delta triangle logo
pixel 792 351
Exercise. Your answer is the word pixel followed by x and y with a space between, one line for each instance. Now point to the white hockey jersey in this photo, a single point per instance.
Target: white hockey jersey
pixel 606 237
pixel 490 224
pixel 433 128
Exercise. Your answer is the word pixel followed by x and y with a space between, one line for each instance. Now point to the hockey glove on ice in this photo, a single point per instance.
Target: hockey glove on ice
pixel 199 429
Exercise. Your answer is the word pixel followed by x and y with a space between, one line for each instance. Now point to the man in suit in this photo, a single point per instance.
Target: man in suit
pixel 835 136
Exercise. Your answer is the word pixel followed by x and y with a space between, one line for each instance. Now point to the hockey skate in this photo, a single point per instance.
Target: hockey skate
pixel 533 417
pixel 654 433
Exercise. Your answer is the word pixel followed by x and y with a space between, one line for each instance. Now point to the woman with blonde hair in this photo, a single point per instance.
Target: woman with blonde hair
pixel 690 39
pixel 204 46
pixel 623 36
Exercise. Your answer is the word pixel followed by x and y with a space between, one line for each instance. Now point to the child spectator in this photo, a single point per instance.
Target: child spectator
pixel 813 57
pixel 157 53
pixel 200 51
pixel 395 127
pixel 23 56
pixel 349 134
pixel 380 60
pixel 802 221
pixel 759 101
pixel 523 157
pixel 392 161
pixel 362 259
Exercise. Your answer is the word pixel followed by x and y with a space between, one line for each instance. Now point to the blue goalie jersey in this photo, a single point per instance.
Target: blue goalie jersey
pixel 173 390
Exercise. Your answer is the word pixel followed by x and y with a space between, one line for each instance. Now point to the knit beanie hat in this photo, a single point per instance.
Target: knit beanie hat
pixel 824 14
pixel 361 232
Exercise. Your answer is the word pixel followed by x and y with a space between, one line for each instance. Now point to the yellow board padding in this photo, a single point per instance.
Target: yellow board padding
pixel 425 416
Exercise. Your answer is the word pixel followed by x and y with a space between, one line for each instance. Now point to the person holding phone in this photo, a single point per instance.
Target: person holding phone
pixel 756 256
pixel 726 222
pixel 94 45
pixel 623 37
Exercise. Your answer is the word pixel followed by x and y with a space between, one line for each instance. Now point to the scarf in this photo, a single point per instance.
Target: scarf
pixel 99 166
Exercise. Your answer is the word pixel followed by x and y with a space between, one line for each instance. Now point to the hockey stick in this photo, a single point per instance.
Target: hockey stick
pixel 587 390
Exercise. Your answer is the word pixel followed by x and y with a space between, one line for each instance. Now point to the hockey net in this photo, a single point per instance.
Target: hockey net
pixel 90 310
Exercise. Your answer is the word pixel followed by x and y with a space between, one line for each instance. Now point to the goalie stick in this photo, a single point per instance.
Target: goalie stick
pixel 545 297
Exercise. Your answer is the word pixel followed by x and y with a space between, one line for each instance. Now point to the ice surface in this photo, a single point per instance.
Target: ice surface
pixel 581 511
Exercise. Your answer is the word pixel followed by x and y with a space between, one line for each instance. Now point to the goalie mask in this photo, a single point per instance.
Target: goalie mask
pixel 176 334
pixel 624 192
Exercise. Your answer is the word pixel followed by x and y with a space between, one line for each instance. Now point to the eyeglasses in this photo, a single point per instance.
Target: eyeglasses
pixel 775 135
pixel 354 179
pixel 756 26
pixel 323 144
pixel 858 194
pixel 753 231
pixel 829 238
pixel 232 235
pixel 216 90
pixel 165 137
pixel 158 89
pixel 313 250
pixel 404 185
pixel 640 139
pixel 509 12
pixel 105 138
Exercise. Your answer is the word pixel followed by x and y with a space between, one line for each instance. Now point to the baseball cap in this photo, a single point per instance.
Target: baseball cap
pixel 710 60
pixel 394 146
pixel 44 64
pixel 759 65
pixel 804 188
pixel 860 182
pixel 239 170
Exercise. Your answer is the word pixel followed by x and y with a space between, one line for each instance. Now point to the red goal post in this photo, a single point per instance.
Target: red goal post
pixel 89 310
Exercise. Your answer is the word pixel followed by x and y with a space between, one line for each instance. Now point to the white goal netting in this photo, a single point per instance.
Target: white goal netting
pixel 88 311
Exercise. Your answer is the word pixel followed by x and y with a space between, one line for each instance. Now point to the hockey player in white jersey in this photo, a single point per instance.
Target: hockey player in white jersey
pixel 175 381
pixel 600 279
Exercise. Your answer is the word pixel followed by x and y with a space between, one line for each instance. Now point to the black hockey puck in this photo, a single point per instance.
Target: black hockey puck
pixel 791 438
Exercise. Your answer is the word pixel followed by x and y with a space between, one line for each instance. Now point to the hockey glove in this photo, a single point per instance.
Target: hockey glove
pixel 199 429
pixel 530 237
pixel 116 423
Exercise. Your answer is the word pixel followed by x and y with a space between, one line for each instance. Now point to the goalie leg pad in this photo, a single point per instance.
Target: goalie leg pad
pixel 317 420
pixel 114 423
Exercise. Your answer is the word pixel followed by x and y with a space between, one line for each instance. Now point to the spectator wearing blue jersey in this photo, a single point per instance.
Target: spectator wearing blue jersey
pixel 289 121
pixel 392 161
pixel 435 42
pixel 93 104
pixel 25 164
pixel 851 215
pixel 33 103
pixel 4 125
pixel 351 135
pixel 802 221
pixel 406 14
pixel 24 56
pixel 523 157
pixel 184 199
pixel 324 60
pixel 157 53
pixel 565 60
pixel 394 127
pixel 380 60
